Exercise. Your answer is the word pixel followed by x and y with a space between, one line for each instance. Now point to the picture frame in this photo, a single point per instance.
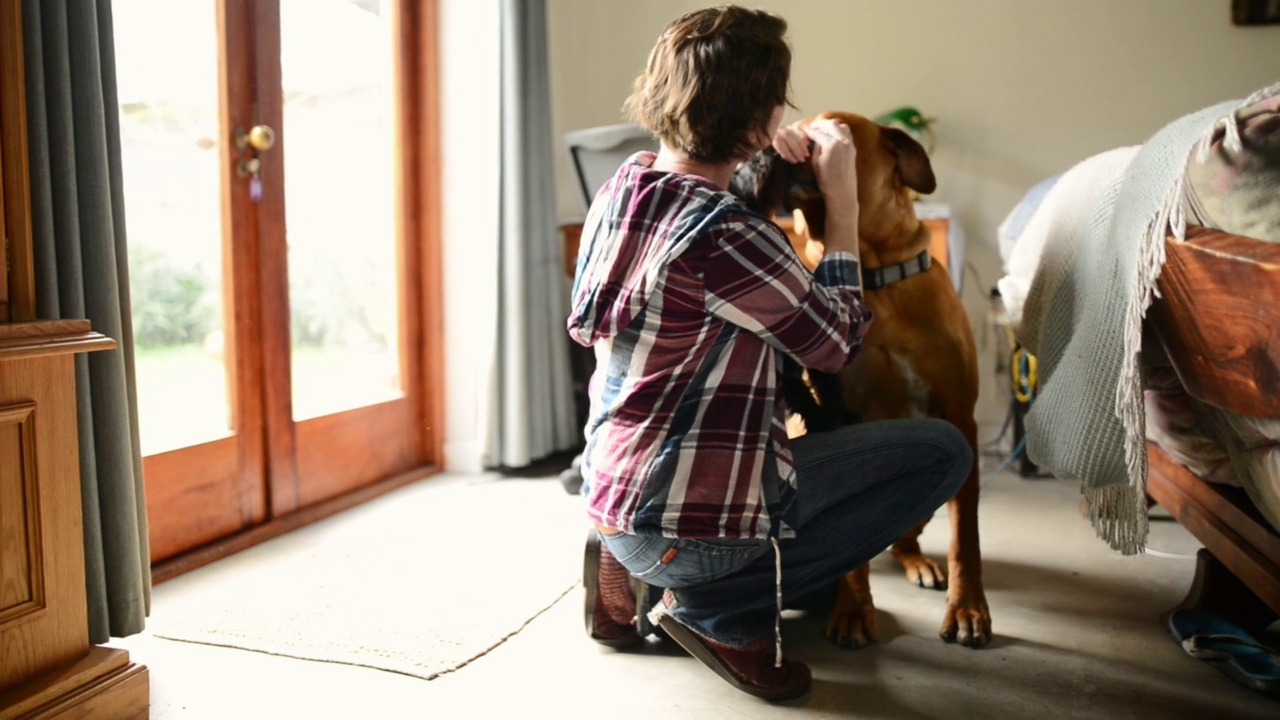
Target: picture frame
pixel 1255 12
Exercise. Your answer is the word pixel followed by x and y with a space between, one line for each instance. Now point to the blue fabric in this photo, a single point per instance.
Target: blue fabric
pixel 859 488
pixel 1228 647
pixel 1011 229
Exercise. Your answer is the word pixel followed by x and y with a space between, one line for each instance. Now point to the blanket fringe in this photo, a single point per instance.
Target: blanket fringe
pixel 1111 513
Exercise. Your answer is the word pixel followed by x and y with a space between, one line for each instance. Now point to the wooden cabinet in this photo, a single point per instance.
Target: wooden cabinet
pixel 938 247
pixel 47 666
pixel 48 669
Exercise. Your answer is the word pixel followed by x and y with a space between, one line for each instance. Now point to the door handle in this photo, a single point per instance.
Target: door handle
pixel 258 137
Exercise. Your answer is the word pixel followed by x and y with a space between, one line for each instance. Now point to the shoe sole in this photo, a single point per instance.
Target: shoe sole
pixel 694 645
pixel 591 582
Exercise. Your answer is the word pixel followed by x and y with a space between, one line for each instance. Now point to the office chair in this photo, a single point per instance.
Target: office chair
pixel 595 153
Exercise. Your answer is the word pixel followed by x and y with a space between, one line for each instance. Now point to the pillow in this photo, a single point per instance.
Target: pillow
pixel 1011 229
pixel 1235 190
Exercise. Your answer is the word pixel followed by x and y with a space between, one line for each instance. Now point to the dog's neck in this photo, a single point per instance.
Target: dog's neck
pixel 879 253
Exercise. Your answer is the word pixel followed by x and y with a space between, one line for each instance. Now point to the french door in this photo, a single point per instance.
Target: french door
pixel 274 188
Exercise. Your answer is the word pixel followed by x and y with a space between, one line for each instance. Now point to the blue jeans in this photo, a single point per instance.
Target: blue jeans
pixel 860 488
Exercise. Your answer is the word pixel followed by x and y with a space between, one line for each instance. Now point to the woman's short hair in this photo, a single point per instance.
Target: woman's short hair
pixel 712 82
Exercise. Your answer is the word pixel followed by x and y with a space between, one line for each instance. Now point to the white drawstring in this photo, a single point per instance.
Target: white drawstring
pixel 777 621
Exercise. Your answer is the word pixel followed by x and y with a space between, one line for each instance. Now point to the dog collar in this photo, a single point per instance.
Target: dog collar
pixel 882 277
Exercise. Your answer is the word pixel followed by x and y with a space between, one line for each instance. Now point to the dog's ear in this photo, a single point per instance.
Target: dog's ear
pixel 913 162
pixel 762 182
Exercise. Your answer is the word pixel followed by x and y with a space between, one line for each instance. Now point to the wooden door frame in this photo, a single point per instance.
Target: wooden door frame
pixel 271 261
pixel 17 282
pixel 420 108
pixel 422 352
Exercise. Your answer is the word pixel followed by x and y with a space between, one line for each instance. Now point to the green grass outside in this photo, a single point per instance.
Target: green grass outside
pixel 182 390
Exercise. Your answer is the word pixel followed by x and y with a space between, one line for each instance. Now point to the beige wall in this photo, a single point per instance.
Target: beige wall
pixel 1022 89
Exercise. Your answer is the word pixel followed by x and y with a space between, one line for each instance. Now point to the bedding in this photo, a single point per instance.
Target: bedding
pixel 1093 248
pixel 1178 424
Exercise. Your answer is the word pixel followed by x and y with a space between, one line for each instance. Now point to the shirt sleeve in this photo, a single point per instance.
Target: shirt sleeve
pixel 754 280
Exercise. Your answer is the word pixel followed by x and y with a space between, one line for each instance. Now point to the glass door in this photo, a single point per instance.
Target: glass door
pixel 273 173
pixel 344 229
pixel 190 270
pixel 337 82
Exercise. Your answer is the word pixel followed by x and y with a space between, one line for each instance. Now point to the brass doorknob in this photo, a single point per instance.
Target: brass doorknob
pixel 259 137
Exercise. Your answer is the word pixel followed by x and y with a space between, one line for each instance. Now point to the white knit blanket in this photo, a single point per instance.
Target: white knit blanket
pixel 1082 314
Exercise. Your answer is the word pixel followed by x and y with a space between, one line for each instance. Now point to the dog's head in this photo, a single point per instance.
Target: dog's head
pixel 767 184
pixel 890 165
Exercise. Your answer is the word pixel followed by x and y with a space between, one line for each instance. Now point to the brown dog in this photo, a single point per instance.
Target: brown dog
pixel 918 359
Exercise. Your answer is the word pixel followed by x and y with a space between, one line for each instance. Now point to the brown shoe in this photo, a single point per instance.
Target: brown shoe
pixel 610 606
pixel 751 669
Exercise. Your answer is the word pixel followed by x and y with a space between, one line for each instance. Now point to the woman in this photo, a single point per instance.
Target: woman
pixel 689 301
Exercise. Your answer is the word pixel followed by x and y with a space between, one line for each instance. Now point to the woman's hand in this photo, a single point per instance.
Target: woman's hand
pixel 835 164
pixel 791 142
pixel 834 156
pixel 834 160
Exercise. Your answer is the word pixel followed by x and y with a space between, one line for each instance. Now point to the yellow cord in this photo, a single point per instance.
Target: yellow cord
pixel 1024 387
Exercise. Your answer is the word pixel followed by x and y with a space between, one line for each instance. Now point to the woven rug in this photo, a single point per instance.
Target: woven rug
pixel 421 581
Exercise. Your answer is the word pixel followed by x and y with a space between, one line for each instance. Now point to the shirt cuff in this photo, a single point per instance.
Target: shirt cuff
pixel 839 269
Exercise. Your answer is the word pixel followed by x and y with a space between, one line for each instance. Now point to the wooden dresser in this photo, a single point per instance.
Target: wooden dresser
pixel 48 669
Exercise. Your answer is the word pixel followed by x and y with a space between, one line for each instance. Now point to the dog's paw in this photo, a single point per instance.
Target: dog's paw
pixel 923 572
pixel 967 622
pixel 853 627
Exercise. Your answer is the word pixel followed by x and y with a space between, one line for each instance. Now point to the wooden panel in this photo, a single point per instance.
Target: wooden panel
pixel 1219 320
pixel 199 500
pixel 36 339
pixel 1224 520
pixel 103 684
pixel 43 641
pixel 21 574
pixel 338 453
pixel 47 667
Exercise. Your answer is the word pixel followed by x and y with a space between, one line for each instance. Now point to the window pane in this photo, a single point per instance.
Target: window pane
pixel 169 127
pixel 339 149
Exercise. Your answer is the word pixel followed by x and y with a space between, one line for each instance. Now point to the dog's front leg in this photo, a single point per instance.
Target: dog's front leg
pixel 921 569
pixel 853 620
pixel 967 619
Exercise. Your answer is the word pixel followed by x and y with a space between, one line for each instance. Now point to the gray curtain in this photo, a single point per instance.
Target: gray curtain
pixel 82 272
pixel 531 409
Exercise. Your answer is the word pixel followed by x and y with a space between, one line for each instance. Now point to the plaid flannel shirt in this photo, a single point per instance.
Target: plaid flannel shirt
pixel 688 298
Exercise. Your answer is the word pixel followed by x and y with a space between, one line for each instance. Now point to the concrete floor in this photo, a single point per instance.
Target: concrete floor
pixel 1077 635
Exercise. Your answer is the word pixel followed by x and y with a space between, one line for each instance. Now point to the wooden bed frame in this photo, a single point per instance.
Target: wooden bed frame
pixel 1219 322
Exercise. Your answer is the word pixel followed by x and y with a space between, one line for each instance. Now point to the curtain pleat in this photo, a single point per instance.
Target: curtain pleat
pixel 81 261
pixel 531 401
